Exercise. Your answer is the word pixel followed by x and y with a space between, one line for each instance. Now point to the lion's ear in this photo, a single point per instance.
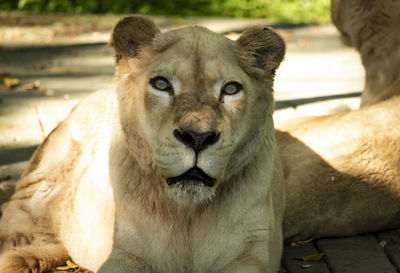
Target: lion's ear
pixel 131 34
pixel 265 45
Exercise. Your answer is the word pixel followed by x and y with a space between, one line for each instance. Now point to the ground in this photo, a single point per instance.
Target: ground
pixel 53 65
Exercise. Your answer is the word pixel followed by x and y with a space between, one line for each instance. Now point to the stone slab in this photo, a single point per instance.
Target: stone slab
pixel 293 264
pixel 358 254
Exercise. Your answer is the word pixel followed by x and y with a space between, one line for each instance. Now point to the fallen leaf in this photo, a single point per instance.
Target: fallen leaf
pixel 301 243
pixel 5 178
pixel 392 241
pixel 10 82
pixel 6 127
pixel 48 92
pixel 69 265
pixel 312 258
pixel 34 86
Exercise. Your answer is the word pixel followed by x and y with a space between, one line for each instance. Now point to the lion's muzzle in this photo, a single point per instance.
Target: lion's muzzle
pixel 193 176
pixel 196 140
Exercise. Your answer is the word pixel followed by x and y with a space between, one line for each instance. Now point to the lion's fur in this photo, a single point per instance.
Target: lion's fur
pixel 96 188
pixel 342 171
pixel 372 27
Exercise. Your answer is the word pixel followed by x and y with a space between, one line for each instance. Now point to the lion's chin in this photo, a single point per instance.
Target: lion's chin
pixel 192 187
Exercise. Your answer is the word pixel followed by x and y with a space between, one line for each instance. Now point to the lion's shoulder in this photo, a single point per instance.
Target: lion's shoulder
pixel 88 124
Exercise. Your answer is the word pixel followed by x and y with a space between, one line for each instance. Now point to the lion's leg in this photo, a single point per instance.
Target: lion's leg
pixel 120 261
pixel 16 226
pixel 33 259
pixel 26 242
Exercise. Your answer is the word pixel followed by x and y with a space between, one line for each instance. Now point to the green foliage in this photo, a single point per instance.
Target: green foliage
pixel 292 11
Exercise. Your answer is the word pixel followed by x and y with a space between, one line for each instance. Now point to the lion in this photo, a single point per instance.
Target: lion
pixel 176 170
pixel 342 171
pixel 372 27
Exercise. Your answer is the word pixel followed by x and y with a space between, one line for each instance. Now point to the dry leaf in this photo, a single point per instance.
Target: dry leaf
pixel 34 86
pixel 6 127
pixel 301 243
pixel 10 82
pixel 391 241
pixel 63 268
pixel 69 265
pixel 48 92
pixel 37 86
pixel 7 177
pixel 312 258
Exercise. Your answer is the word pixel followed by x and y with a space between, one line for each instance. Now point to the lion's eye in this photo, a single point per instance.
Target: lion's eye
pixel 161 83
pixel 231 88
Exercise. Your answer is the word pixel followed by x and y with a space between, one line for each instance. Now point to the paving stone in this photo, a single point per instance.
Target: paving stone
pixel 294 265
pixel 358 254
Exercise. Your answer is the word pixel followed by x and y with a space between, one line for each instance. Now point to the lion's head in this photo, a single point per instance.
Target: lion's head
pixel 194 105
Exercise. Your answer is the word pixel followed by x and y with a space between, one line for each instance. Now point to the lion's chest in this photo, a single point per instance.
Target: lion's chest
pixel 207 245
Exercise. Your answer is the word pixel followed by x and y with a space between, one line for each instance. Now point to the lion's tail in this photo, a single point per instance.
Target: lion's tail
pixel 33 259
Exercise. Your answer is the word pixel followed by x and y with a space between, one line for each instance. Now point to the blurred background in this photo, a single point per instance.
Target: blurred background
pixel 291 11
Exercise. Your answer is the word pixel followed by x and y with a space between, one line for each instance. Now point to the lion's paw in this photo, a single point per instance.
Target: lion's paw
pixel 19 261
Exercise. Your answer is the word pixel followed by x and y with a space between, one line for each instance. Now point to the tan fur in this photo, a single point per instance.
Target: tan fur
pixel 33 259
pixel 372 27
pixel 97 186
pixel 342 171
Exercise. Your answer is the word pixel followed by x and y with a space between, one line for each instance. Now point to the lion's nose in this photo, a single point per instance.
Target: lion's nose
pixel 197 141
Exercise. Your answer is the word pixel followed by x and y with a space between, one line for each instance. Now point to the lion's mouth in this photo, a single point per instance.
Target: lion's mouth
pixel 193 175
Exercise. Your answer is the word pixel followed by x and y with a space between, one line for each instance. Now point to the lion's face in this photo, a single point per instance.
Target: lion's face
pixel 193 100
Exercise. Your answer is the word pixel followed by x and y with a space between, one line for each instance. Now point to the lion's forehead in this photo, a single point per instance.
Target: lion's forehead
pixel 197 57
pixel 195 43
